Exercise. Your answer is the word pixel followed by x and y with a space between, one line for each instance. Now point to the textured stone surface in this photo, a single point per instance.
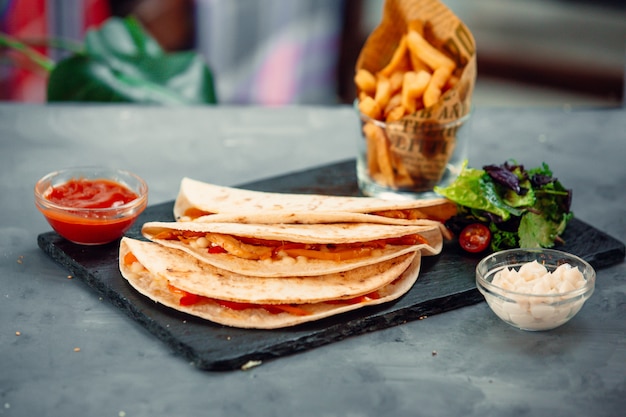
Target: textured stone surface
pixel 463 362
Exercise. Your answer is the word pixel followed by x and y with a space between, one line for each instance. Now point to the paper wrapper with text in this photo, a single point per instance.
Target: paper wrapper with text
pixel 425 47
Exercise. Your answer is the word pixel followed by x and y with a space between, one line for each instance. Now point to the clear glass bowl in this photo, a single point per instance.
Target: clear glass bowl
pixel 91 226
pixel 533 311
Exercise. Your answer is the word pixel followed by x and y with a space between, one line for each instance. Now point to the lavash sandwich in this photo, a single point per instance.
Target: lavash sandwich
pixel 200 200
pixel 275 250
pixel 181 281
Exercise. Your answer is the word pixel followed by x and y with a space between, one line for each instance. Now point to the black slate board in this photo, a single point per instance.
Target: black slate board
pixel 446 282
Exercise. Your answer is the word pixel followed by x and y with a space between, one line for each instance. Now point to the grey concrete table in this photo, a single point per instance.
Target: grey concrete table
pixel 66 352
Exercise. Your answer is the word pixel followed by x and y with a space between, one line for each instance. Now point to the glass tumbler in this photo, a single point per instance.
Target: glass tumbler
pixel 406 159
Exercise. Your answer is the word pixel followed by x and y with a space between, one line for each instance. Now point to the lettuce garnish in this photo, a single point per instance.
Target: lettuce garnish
pixel 522 208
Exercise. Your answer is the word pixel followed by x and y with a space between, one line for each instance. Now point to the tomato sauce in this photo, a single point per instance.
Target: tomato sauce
pixel 83 193
pixel 102 225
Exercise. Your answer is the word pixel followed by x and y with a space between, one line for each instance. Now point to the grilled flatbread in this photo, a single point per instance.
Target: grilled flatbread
pixel 294 249
pixel 188 273
pixel 196 199
pixel 179 281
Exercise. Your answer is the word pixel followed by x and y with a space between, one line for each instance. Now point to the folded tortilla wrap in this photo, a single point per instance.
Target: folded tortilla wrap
pixel 196 199
pixel 188 273
pixel 278 250
pixel 166 276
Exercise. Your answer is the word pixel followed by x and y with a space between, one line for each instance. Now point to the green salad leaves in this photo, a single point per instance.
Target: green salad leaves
pixel 521 208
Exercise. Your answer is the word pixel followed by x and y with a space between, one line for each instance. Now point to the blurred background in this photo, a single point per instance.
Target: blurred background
pixel 282 52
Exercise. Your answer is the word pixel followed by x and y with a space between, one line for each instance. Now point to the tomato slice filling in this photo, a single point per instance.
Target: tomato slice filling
pixel 216 249
pixel 189 299
pixel 194 213
pixel 186 298
pixel 356 300
pixel 130 258
pixel 439 212
pixel 331 252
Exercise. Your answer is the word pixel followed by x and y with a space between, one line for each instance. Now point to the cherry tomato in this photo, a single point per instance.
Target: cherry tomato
pixel 475 238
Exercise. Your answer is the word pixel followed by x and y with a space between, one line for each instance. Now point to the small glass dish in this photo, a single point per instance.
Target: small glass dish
pixel 85 217
pixel 533 310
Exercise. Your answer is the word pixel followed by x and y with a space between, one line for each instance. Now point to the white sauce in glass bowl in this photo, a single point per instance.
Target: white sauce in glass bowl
pixel 536 303
pixel 534 278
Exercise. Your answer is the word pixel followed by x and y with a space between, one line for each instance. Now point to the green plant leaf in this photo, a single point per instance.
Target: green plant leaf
pixel 121 39
pixel 122 63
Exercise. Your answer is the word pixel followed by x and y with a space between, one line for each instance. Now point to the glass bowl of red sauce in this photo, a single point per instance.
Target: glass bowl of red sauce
pixel 91 205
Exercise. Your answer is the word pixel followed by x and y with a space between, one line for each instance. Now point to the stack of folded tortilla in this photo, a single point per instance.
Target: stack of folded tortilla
pixel 265 260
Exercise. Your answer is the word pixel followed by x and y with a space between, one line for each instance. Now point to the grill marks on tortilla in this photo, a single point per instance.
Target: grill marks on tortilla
pixel 197 199
pixel 172 285
pixel 259 317
pixel 315 262
pixel 192 275
pixel 268 260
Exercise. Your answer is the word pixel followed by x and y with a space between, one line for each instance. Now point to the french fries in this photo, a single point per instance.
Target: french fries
pixel 417 70
pixel 365 81
pixel 416 77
